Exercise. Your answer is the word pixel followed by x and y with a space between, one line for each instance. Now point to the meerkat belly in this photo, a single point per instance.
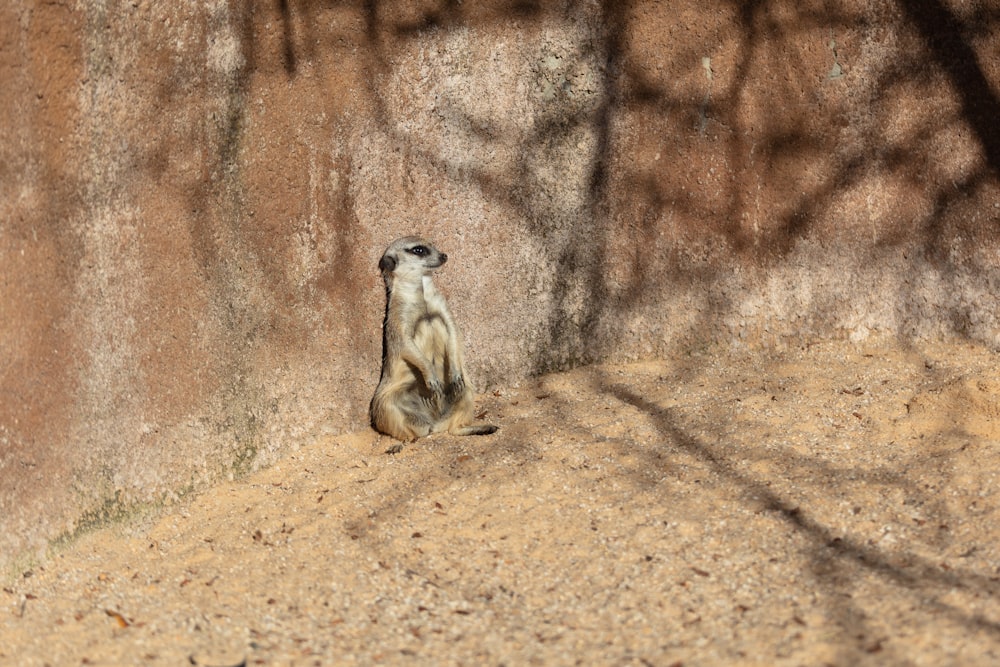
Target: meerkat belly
pixel 431 336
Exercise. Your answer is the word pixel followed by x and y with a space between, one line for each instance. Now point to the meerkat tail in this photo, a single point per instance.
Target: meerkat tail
pixel 475 429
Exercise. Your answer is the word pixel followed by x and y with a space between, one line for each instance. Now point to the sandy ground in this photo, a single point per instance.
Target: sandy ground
pixel 830 504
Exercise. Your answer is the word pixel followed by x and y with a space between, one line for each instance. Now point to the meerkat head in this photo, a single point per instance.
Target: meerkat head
pixel 410 257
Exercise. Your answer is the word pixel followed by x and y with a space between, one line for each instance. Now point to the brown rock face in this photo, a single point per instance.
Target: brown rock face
pixel 194 196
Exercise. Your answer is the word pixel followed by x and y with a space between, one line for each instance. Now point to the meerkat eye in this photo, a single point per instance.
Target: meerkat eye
pixel 419 250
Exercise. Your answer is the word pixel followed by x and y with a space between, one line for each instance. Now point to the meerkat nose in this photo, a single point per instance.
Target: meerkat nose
pixel 444 258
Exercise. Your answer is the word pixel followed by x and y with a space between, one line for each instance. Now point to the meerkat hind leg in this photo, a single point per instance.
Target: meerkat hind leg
pixel 397 417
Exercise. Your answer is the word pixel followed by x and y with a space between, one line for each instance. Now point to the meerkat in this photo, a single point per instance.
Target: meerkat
pixel 423 388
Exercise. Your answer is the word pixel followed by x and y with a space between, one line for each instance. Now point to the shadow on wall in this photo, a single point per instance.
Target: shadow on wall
pixel 658 147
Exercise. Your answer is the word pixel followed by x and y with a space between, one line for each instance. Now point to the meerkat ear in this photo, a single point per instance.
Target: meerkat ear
pixel 387 264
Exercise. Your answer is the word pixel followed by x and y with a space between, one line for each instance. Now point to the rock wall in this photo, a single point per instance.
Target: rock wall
pixel 194 196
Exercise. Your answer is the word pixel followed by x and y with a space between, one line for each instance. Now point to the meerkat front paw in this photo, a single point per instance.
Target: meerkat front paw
pixel 456 386
pixel 434 386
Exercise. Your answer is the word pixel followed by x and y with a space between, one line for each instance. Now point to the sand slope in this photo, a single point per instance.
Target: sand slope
pixel 828 504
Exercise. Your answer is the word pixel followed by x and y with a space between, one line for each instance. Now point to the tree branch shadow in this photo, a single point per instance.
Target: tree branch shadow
pixel 830 552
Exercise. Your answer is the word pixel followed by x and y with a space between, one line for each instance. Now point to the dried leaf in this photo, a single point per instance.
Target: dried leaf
pixel 119 619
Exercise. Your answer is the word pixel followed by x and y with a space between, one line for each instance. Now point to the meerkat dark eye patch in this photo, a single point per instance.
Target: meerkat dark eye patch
pixel 419 250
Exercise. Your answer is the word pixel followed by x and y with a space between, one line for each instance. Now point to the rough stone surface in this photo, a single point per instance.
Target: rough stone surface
pixel 193 196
